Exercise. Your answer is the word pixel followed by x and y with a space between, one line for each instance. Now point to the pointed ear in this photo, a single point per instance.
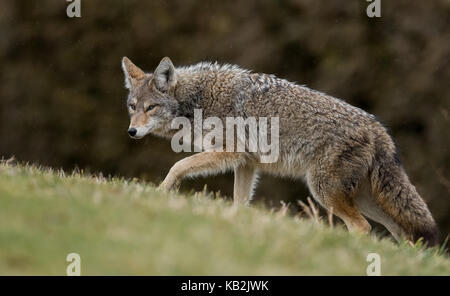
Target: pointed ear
pixel 165 76
pixel 132 73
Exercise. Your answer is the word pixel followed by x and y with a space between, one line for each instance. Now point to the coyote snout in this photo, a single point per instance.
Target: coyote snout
pixel 141 124
pixel 132 132
pixel 141 127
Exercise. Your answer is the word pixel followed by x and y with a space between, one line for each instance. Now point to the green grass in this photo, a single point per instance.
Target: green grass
pixel 122 227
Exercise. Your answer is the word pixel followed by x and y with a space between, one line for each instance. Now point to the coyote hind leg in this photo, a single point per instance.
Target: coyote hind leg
pixel 334 198
pixel 349 213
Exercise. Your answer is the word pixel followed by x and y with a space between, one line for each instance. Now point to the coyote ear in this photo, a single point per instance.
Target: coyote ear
pixel 165 76
pixel 132 73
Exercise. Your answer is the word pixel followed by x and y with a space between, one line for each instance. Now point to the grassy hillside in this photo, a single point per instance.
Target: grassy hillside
pixel 125 228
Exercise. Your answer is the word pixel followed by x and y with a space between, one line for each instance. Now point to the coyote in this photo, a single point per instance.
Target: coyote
pixel 346 157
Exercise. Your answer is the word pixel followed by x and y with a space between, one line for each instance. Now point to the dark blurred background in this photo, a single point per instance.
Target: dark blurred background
pixel 62 100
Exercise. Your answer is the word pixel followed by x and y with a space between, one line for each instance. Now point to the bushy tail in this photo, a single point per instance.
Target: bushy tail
pixel 398 198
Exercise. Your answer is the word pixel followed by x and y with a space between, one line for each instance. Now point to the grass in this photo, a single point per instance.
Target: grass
pixel 123 227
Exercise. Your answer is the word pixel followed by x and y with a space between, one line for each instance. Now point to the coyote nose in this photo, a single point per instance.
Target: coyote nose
pixel 132 132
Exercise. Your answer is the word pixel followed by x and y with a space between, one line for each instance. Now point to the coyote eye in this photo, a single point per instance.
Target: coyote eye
pixel 150 107
pixel 132 107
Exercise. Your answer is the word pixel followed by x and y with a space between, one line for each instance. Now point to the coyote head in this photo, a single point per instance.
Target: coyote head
pixel 151 103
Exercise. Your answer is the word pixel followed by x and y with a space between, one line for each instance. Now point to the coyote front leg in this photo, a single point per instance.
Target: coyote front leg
pixel 203 163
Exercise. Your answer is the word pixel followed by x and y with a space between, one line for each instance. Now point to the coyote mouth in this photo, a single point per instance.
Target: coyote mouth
pixel 140 132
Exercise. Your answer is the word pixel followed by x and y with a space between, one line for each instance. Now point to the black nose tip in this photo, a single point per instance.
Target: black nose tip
pixel 132 132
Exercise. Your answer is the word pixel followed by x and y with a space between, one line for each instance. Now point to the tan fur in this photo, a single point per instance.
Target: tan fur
pixel 344 155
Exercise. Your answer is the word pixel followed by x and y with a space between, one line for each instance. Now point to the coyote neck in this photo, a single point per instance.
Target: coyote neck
pixel 191 87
